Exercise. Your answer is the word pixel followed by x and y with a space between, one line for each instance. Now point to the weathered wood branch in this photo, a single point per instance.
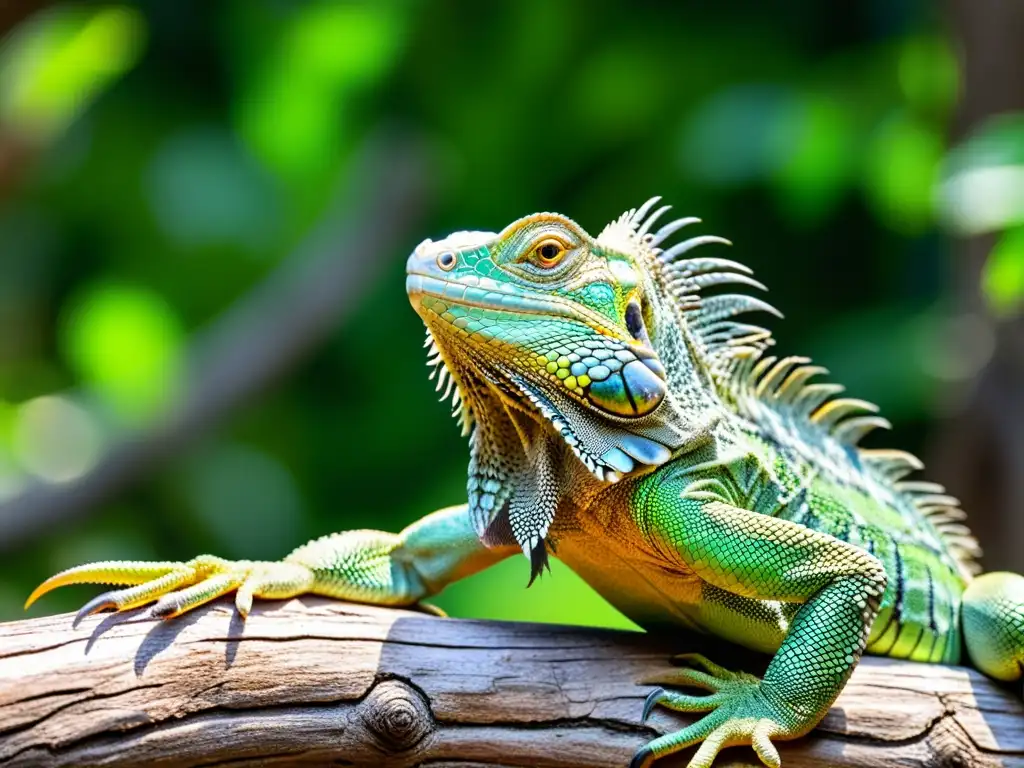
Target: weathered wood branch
pixel 314 681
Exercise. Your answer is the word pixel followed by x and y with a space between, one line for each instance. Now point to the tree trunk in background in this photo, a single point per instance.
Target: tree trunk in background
pixel 14 151
pixel 979 452
pixel 13 12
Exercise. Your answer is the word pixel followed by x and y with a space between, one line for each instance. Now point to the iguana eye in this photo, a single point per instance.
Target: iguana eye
pixel 548 253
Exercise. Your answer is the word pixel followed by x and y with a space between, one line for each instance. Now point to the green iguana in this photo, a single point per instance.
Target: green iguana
pixel 627 423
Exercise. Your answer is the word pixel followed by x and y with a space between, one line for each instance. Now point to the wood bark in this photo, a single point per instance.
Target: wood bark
pixel 313 681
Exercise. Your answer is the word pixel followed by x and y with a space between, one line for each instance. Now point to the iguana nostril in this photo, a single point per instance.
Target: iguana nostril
pixel 446 260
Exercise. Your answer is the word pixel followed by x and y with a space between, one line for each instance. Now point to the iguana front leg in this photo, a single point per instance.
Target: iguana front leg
pixel 364 566
pixel 765 558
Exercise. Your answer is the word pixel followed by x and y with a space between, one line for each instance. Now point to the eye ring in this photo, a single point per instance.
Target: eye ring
pixel 447 260
pixel 549 252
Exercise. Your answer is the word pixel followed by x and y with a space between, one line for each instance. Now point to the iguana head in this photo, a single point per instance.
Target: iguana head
pixel 554 338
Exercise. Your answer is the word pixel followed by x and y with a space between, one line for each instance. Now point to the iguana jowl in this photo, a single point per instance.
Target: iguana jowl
pixel 624 420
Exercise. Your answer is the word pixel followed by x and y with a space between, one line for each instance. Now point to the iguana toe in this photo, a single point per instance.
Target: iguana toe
pixel 739 713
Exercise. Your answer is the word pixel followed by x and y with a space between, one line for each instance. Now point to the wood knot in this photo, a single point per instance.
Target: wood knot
pixel 397 715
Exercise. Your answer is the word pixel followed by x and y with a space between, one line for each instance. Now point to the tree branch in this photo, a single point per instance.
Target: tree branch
pixel 314 681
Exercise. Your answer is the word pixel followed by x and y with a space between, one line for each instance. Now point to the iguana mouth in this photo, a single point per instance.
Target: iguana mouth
pixel 433 289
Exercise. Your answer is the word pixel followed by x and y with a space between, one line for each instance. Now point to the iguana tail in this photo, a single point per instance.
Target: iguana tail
pixel 993 621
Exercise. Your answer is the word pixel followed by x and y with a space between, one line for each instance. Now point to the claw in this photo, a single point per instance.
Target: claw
pixel 243 599
pixel 651 702
pixel 104 602
pixel 739 712
pixel 180 587
pixel 110 572
pixel 431 609
pixel 642 757
pixel 164 608
pixel 174 603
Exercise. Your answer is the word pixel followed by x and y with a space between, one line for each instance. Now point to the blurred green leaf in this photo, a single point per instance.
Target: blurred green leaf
pixel 613 94
pixel 205 190
pixel 1003 277
pixel 728 140
pixel 811 155
pixel 298 100
pixel 929 74
pixel 901 169
pixel 983 178
pixel 53 66
pixel 8 414
pixel 11 476
pixel 127 344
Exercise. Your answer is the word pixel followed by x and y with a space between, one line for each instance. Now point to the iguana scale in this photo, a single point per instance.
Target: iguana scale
pixel 623 418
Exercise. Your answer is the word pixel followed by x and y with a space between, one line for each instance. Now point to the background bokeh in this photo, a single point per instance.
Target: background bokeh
pixel 174 174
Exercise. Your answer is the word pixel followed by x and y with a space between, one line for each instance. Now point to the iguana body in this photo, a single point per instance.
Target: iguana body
pixel 629 424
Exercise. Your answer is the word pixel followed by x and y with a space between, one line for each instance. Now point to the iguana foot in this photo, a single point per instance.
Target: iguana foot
pixel 180 587
pixel 741 712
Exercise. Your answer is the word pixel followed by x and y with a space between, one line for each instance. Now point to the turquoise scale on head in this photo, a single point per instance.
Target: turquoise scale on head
pixel 600 297
pixel 470 258
pixel 616 375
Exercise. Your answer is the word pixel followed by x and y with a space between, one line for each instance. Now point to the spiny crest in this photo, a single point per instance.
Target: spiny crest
pixel 943 511
pixel 446 380
pixel 755 383
pixel 683 278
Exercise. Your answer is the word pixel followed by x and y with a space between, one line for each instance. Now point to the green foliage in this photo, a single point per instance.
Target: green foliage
pixel 983 192
pixel 903 165
pixel 983 184
pixel 295 107
pixel 928 74
pixel 813 146
pixel 183 148
pixel 126 344
pixel 60 61
pixel 1003 278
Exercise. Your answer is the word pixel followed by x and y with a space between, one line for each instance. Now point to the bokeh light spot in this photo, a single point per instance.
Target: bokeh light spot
pixel 811 155
pixel 59 61
pixel 983 185
pixel 205 190
pixel 727 140
pixel 928 74
pixel 126 343
pixel 55 438
pixel 298 103
pixel 1003 277
pixel 902 167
